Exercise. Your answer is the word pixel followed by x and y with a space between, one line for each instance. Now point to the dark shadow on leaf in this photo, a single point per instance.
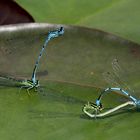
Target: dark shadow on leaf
pixel 55 95
pixel 51 115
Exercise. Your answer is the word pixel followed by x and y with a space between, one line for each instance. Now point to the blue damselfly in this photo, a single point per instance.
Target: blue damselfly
pixel 120 87
pixel 33 83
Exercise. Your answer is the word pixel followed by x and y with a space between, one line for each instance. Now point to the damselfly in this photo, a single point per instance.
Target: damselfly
pixel 110 78
pixel 33 83
pixel 52 34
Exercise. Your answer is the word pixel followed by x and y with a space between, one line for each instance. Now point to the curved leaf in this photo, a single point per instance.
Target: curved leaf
pixel 75 63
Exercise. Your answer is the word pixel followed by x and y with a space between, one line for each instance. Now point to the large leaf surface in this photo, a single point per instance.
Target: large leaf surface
pixel 74 63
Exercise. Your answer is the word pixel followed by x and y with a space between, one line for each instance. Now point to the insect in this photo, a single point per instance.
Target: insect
pixel 33 83
pixel 92 109
pixel 97 111
pixel 133 101
pixel 52 34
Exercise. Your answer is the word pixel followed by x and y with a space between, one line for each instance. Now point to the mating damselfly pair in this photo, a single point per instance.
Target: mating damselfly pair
pixel 118 85
pixel 33 83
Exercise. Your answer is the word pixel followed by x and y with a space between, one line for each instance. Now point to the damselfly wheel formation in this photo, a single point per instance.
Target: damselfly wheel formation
pixel 94 110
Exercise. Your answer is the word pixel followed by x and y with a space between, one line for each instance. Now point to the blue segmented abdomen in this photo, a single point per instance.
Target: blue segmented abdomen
pixel 123 92
pixel 51 35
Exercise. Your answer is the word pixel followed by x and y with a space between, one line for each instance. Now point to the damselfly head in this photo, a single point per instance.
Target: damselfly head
pixel 55 33
pixel 61 31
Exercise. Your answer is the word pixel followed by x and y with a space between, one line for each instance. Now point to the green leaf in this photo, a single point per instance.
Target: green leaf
pixel 75 63
pixel 117 16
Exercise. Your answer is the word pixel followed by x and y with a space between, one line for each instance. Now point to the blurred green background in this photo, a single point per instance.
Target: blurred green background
pixel 119 17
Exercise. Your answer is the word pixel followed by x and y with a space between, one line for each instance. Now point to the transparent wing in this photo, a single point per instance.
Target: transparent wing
pixel 118 70
pixel 110 79
pixel 7 81
pixel 121 75
pixel 49 93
